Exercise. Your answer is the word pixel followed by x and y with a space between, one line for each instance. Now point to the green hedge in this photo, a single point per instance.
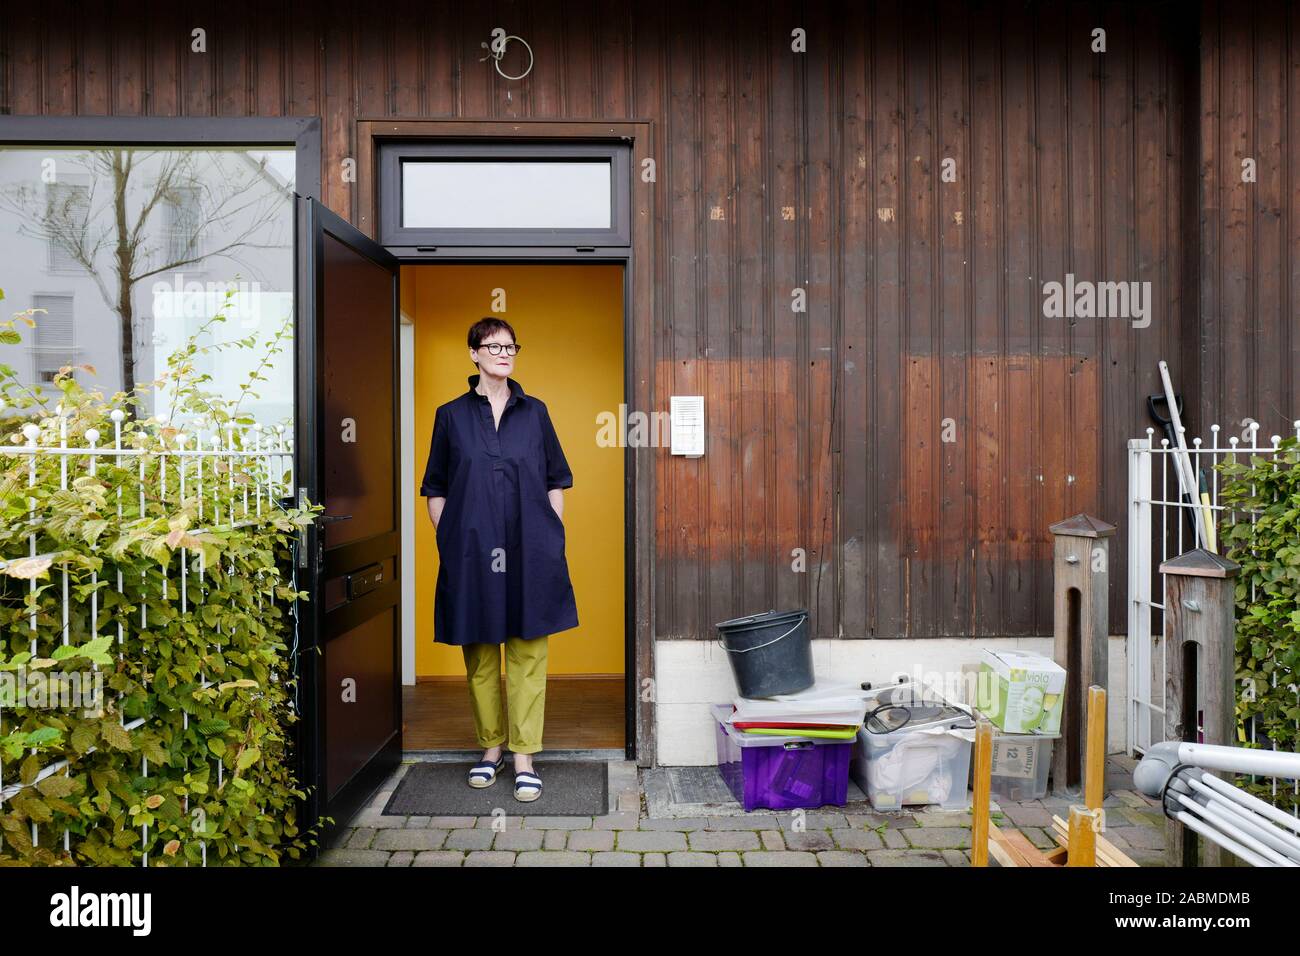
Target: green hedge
pixel 1268 597
pixel 209 767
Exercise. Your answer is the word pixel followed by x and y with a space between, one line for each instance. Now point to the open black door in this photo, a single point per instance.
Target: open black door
pixel 346 458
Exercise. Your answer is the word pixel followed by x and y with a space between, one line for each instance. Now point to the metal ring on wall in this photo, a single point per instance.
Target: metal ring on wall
pixel 497 57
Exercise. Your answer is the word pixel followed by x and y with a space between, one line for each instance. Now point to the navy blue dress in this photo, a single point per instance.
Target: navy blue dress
pixel 502 570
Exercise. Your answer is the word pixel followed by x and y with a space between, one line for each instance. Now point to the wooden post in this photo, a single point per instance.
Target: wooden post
pixel 1094 777
pixel 1200 665
pixel 1084 824
pixel 1081 583
pixel 979 831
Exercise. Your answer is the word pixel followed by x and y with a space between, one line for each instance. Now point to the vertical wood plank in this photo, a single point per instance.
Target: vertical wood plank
pixel 855 162
pixel 888 367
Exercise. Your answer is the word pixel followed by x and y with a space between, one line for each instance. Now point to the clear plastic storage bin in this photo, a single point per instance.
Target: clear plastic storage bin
pixel 1020 766
pixel 926 760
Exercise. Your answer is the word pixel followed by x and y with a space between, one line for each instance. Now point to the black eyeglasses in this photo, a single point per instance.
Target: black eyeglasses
pixel 495 348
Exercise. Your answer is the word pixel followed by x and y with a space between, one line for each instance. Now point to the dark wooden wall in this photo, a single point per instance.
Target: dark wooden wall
pixel 1248 346
pixel 822 171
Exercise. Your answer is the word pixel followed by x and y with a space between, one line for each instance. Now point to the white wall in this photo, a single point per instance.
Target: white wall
pixel 690 676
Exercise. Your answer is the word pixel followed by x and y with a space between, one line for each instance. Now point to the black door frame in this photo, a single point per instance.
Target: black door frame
pixel 547 251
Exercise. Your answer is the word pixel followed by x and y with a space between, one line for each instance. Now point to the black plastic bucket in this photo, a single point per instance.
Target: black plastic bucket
pixel 770 653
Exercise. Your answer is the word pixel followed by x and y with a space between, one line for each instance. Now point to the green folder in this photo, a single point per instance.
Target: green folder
pixel 847 733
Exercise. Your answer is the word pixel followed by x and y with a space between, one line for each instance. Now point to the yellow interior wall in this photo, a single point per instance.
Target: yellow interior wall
pixel 569 323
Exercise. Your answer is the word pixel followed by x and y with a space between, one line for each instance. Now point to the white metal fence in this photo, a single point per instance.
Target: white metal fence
pixel 189 465
pixel 1160 527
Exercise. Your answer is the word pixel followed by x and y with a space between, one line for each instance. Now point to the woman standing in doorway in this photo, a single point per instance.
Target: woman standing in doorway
pixel 494 483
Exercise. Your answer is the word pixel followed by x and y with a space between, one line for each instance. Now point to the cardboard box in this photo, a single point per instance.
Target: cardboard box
pixel 1021 693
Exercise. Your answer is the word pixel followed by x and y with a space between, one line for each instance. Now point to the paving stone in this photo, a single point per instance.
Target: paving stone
pixel 750 821
pixel 615 859
pixel 808 840
pixel 955 857
pixel 346 857
pixel 469 840
pixel 674 823
pixel 1131 798
pixel 869 821
pixel 1022 817
pixel 894 840
pixel 943 818
pixel 556 839
pixel 361 838
pixel 813 820
pixel 727 858
pixel 628 800
pixel 553 858
pixel 857 839
pixel 439 858
pixel 723 840
pixel 401 858
pixel 772 840
pixel 905 858
pixel 417 821
pixel 617 821
pixel 1115 835
pixel 1039 837
pixel 1141 838
pixel 601 841
pixel 376 820
pixel 451 823
pixel 938 838
pixel 500 822
pixel 517 840
pixel 410 840
pixel 338 838
pixel 654 859
pixel 841 858
pixel 557 823
pixel 640 841
pixel 781 858
pixel 899 820
pixel 685 858
pixel 490 858
pixel 1142 818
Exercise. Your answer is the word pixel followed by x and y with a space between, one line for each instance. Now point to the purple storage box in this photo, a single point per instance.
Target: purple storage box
pixel 780 773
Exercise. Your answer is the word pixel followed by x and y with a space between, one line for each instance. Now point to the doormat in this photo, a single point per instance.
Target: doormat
pixel 570 788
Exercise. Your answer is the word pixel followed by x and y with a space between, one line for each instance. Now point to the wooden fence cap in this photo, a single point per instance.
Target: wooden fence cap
pixel 1201 563
pixel 1083 526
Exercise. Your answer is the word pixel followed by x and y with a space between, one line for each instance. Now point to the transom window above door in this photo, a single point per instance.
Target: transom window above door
pixel 504 194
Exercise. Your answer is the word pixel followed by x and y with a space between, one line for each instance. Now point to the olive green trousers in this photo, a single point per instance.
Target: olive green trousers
pixel 525 692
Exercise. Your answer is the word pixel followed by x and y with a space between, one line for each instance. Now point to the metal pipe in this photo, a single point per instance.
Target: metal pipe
pixel 1266 763
pixel 1210 833
pixel 1283 841
pixel 1239 829
pixel 1252 802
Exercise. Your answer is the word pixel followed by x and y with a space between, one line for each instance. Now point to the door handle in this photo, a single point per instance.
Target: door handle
pixel 325 518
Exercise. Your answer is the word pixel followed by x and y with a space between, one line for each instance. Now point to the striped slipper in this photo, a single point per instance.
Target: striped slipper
pixel 528 786
pixel 484 774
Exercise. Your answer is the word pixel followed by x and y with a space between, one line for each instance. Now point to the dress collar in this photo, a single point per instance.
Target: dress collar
pixel 516 390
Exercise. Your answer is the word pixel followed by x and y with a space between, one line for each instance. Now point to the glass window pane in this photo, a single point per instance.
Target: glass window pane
pixel 200 247
pixel 479 194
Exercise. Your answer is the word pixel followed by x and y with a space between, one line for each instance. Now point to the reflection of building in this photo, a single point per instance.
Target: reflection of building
pixel 197 222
